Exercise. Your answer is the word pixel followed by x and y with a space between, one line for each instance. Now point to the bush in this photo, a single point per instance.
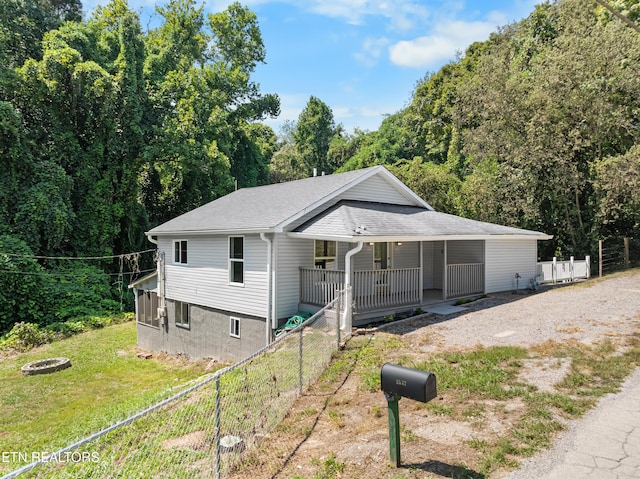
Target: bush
pixel 24 336
pixel 22 284
pixel 79 291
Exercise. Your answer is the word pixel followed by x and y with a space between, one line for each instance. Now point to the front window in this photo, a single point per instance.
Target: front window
pixel 236 259
pixel 381 258
pixel 325 254
pixel 182 314
pixel 180 251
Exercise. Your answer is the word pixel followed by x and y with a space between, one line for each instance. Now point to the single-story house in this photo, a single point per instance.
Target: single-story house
pixel 233 270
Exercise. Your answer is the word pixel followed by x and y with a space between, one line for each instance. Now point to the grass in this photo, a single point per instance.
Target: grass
pixel 106 383
pixel 468 381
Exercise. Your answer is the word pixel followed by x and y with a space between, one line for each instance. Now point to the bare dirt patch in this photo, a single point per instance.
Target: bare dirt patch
pixel 346 424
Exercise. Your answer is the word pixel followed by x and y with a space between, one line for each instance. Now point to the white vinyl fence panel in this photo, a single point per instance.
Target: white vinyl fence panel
pixel 561 271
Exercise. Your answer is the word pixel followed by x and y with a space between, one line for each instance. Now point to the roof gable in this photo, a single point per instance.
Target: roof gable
pixel 357 221
pixel 274 207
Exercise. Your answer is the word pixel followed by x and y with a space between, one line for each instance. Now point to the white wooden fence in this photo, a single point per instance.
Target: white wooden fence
pixel 562 271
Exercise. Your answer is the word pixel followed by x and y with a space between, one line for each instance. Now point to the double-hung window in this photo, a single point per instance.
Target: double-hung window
pixel 236 259
pixel 180 251
pixel 325 254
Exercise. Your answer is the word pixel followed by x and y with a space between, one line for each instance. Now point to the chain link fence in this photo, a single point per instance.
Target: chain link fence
pixel 218 426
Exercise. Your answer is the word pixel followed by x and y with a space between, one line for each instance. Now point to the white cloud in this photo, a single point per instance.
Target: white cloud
pixel 447 39
pixel 372 50
pixel 402 14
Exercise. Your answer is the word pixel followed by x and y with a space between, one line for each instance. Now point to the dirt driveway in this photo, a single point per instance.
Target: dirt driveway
pixel 347 433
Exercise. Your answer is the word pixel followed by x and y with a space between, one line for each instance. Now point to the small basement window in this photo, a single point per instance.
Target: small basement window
pixel 182 314
pixel 234 327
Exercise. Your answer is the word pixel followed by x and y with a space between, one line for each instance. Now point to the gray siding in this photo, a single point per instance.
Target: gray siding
pixel 291 255
pixel 433 264
pixel 428 266
pixel 205 279
pixel 207 337
pixel 505 258
pixel 363 261
pixel 375 189
pixel 406 255
pixel 464 252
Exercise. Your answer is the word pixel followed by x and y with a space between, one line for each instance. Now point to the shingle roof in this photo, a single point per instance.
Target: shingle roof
pixel 357 219
pixel 262 207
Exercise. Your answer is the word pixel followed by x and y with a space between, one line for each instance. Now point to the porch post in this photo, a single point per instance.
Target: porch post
pixel 445 293
pixel 421 278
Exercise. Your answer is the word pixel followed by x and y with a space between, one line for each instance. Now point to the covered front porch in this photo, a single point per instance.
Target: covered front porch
pixel 442 271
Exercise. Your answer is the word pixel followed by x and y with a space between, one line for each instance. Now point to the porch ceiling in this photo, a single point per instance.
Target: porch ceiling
pixel 366 221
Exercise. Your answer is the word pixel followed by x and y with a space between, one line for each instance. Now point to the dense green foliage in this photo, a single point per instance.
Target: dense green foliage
pixel 107 130
pixel 538 127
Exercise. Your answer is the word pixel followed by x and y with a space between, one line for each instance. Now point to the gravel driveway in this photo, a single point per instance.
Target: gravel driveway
pixel 587 312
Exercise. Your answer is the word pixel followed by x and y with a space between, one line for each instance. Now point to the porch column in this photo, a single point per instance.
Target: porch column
pixel 421 279
pixel 444 272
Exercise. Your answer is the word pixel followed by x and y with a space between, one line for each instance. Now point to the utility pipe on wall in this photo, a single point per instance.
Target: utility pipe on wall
pixel 347 281
pixel 269 242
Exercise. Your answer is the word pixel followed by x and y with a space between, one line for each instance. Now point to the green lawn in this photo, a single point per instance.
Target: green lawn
pixel 106 383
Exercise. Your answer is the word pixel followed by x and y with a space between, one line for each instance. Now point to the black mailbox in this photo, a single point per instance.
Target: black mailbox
pixel 409 383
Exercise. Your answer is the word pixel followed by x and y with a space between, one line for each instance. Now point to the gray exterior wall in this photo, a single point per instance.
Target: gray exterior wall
pixel 292 254
pixel 207 336
pixel 204 280
pixel 505 258
pixel 464 252
pixel 433 262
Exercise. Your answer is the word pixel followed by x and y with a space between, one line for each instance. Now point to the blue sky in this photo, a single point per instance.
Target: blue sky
pixel 362 58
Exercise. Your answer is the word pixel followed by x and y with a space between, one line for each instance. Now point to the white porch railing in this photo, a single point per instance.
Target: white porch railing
pixel 463 279
pixel 376 289
pixel 555 271
pixel 320 286
pixel 379 289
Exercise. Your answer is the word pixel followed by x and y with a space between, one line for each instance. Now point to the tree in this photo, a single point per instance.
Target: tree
pixel 313 134
pixel 617 183
pixel 205 101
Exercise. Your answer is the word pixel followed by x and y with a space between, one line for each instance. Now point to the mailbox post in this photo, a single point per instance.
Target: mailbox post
pixel 394 428
pixel 396 382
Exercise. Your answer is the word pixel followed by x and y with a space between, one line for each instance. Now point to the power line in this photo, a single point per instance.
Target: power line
pixel 74 275
pixel 80 258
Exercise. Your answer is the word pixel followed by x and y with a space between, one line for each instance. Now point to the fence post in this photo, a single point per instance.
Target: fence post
pixel 571 269
pixel 587 260
pixel 626 253
pixel 600 258
pixel 300 365
pixel 217 427
pixel 554 270
pixel 338 318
